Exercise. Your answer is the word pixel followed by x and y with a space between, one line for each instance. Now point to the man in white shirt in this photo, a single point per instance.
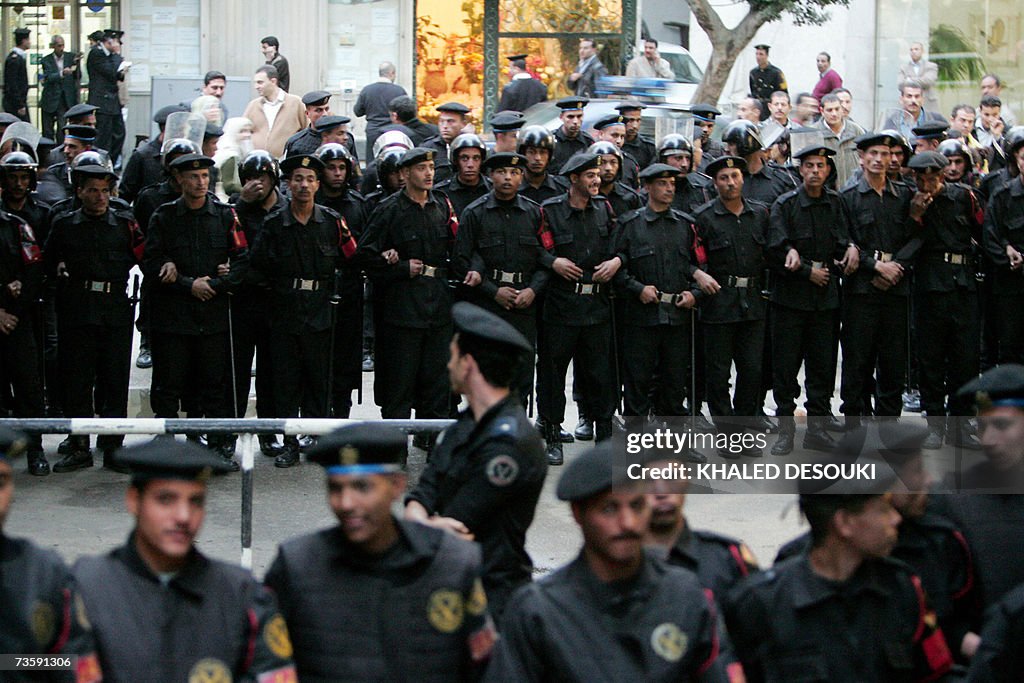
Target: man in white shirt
pixel 650 64
pixel 275 114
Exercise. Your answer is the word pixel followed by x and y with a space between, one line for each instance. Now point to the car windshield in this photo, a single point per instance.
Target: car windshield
pixel 683 66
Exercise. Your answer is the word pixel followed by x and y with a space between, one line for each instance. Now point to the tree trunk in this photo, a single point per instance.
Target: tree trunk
pixel 726 45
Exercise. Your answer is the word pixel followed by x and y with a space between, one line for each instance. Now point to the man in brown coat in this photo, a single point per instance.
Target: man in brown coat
pixel 275 114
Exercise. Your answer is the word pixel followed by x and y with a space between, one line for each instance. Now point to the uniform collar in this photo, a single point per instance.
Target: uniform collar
pixel 807 200
pixel 864 186
pixel 413 546
pixel 181 209
pixel 722 211
pixel 615 596
pixel 812 589
pixel 288 219
pixel 80 217
pixel 187 580
pixel 683 547
pixel 653 216
pixel 493 202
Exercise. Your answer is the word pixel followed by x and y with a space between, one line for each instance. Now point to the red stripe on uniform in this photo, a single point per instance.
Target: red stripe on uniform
pixel 710 597
pixel 250 648
pixel 735 552
pixel 65 625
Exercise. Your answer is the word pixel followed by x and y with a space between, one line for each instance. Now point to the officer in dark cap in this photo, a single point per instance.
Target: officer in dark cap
pixel 622 197
pixel 928 135
pixel 57 178
pixel 809 248
pixel 43 610
pixel 506 126
pixel 1004 246
pixel 883 224
pixel 704 116
pixel 79 115
pixel 499 253
pixel 15 99
pixel 299 248
pixel 216 621
pixel 337 191
pixel 145 165
pixel 615 612
pixel 734 232
pixel 307 140
pixel 946 316
pixel 765 78
pixel 611 128
pixel 576 320
pixel 414 325
pixel 524 90
pixel 570 138
pixel 487 470
pixel 376 597
pixel 541 180
pixel 452 118
pixel 843 608
pixel 657 290
pixel 190 244
pixel 91 249
pixel 640 147
pixel 468 183
pixel 106 69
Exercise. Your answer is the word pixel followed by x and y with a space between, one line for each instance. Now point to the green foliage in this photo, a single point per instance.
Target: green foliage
pixel 802 12
pixel 946 40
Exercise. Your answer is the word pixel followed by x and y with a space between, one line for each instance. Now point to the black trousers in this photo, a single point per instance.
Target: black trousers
pixel 252 338
pixel 947 348
pixel 184 363
pixel 411 371
pixel 808 338
pixel 348 348
pixel 95 360
pixel 53 126
pixel 142 322
pixel 874 336
pixel 700 380
pixel 727 343
pixel 20 370
pixel 656 362
pixel 301 360
pixel 1010 325
pixel 110 134
pixel 589 349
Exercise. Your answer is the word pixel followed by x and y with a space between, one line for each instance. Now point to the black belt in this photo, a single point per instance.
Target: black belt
pixel 505 277
pixel 308 285
pixel 588 288
pixel 439 272
pixel 883 256
pixel 97 286
pixel 668 298
pixel 956 259
pixel 740 282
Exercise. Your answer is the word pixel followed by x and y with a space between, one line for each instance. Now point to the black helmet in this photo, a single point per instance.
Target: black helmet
pixel 901 140
pixel 19 161
pixel 91 164
pixel 334 151
pixel 956 147
pixel 745 135
pixel 603 147
pixel 1014 139
pixel 673 145
pixel 535 136
pixel 467 141
pixel 177 147
pixel 387 163
pixel 256 163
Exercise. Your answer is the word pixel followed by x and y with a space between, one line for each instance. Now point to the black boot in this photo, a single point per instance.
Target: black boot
pixel 269 445
pixel 554 446
pixel 112 463
pixel 784 444
pixel 817 438
pixel 79 458
pixel 289 456
pixel 603 431
pixel 584 430
pixel 224 446
pixel 37 464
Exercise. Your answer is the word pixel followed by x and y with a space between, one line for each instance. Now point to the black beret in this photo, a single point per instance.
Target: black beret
pixel 659 171
pixel 475 321
pixel 454 108
pixel 931 130
pixel 592 472
pixel 80 110
pixel 725 162
pixel 507 121
pixel 160 117
pixel 112 33
pixel 629 106
pixel 417 155
pixel 316 97
pixel 930 160
pixel 581 161
pixel 326 123
pixel 166 458
pixel 504 160
pixel 212 130
pixel 513 58
pixel 610 120
pixel 189 162
pixel 310 161
pixel 1001 386
pixel 815 151
pixel 572 103
pixel 704 112
pixel 873 139
pixel 365 448
pixel 12 443
pixel 79 132
pixel 762 46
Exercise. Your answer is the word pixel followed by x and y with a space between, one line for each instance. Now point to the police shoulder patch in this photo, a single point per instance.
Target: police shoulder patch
pixel 209 670
pixel 669 642
pixel 44 623
pixel 275 635
pixel 502 470
pixel 445 610
pixel 477 603
pixel 80 613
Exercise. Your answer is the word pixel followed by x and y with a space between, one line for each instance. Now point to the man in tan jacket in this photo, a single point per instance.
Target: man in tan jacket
pixel 275 114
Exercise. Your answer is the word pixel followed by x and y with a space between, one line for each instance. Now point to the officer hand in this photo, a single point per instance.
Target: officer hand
pixel 820 276
pixel 506 296
pixel 62 269
pixel 707 284
pixel 969 645
pixel 168 273
pixel 575 76
pixel 473 279
pixel 391 256
pixel 567 269
pixel 202 290
pixel 851 261
pixel 1015 257
pixel 792 260
pixel 415 267
pixel 606 270
pixel 919 204
pixel 450 524
pixel 525 298
pixel 686 300
pixel 14 288
pixel 8 322
pixel 251 191
pixel 890 271
pixel 649 294
pixel 66 71
pixel 880 283
pixel 223 269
